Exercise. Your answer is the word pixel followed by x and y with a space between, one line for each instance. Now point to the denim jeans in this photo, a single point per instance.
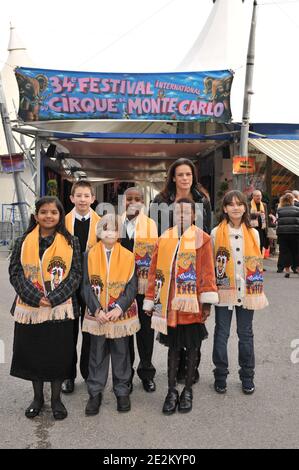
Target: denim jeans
pixel 223 320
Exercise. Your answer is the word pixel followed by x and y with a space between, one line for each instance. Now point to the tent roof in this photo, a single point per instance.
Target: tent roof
pixel 284 152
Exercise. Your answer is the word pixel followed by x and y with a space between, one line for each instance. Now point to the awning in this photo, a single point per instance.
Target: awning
pixel 126 162
pixel 284 152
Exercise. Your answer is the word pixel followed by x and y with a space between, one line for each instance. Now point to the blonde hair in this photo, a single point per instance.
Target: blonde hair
pixel 110 222
pixel 286 200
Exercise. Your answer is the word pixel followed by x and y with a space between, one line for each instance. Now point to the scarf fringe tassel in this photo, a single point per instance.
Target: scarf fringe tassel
pixel 251 302
pixel 257 302
pixel 41 315
pixel 184 304
pixel 159 324
pixel 111 330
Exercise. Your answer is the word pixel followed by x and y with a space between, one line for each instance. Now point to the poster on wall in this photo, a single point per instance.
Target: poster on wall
pixel 63 95
pixel 12 162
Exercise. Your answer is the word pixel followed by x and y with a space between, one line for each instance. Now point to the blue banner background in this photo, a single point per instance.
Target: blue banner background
pixel 62 95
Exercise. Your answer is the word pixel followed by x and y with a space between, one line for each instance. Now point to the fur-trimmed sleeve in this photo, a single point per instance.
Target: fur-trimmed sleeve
pixel 206 281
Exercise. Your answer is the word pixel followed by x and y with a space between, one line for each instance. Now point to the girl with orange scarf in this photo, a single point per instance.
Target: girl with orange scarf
pixel 239 278
pixel 181 289
pixel 45 270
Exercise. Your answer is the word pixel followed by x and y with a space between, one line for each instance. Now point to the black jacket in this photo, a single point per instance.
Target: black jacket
pixel 288 220
pixel 167 214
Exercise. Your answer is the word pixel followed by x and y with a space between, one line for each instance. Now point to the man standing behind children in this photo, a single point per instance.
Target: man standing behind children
pixel 139 235
pixel 81 222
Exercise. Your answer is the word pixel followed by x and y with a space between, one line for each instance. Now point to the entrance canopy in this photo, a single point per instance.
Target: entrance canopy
pixel 284 152
pixel 142 162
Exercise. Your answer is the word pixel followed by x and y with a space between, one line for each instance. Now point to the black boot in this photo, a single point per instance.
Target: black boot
pixel 58 408
pixel 93 405
pixel 38 400
pixel 185 404
pixel 181 375
pixel 186 397
pixel 171 402
pixel 172 397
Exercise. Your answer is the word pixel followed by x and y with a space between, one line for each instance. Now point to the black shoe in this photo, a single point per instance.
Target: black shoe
pixel 185 404
pixel 248 387
pixel 59 410
pixel 220 386
pixel 34 409
pixel 287 275
pixel 93 405
pixel 171 402
pixel 68 386
pixel 123 403
pixel 149 385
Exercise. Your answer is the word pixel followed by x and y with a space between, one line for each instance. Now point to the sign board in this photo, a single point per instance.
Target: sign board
pixel 62 95
pixel 243 165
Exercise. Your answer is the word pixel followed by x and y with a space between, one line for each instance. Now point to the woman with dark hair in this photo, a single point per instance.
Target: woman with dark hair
pixel 288 234
pixel 182 182
pixel 45 271
pixel 239 278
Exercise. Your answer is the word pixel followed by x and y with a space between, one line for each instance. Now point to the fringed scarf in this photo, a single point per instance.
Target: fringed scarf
pixel 108 281
pixel 253 209
pixel 182 251
pixel 145 239
pixel 94 219
pixel 255 298
pixel 46 275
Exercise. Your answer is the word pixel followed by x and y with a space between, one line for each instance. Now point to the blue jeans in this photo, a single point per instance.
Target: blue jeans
pixel 223 320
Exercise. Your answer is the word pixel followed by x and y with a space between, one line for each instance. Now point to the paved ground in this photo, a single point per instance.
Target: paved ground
pixel 267 419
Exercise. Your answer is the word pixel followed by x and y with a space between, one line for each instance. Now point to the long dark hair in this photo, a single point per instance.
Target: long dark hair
pixel 170 186
pixel 60 227
pixel 227 199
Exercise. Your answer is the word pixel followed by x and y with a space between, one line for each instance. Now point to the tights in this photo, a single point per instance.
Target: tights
pixel 173 364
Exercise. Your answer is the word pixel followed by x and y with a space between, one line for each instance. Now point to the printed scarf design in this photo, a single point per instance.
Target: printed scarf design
pixel 183 252
pixel 145 239
pixel 108 281
pixel 46 275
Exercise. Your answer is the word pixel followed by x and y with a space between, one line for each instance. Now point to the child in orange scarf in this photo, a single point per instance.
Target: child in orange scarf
pixel 181 289
pixel 239 277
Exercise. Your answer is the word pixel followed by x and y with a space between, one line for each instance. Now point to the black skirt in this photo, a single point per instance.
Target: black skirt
pixel 44 351
pixel 184 336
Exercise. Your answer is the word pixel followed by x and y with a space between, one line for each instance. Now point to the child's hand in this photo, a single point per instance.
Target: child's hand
pixel 114 314
pixel 206 310
pixel 149 313
pixel 101 317
pixel 44 302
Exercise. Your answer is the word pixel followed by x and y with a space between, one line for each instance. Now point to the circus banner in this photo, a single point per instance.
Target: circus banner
pixel 63 95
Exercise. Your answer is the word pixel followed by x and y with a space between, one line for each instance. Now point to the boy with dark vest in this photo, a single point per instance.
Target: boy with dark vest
pixel 139 235
pixel 81 222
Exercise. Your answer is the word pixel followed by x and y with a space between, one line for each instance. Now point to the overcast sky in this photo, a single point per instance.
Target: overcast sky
pixel 138 35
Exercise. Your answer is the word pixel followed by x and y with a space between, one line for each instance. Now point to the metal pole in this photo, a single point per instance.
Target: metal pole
pixel 11 150
pixel 243 150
